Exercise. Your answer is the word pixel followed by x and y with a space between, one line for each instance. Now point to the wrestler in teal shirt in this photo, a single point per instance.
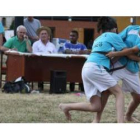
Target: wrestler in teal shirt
pixel 1 28
pixel 131 38
pixel 105 43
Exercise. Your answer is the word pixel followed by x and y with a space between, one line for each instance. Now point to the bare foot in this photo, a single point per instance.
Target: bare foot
pixel 64 108
pixel 131 119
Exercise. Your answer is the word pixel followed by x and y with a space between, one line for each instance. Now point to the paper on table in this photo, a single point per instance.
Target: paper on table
pixel 12 51
pixel 49 55
pixel 60 55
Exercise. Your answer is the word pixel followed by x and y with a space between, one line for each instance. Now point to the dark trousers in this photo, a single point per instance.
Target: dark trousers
pixel 72 87
pixel 81 87
pixel 40 86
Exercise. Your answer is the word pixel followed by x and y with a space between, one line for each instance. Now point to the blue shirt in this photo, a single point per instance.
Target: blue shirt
pixel 131 38
pixel 74 47
pixel 105 43
pixel 1 28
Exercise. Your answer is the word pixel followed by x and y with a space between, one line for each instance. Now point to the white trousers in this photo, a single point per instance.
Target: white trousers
pixel 96 79
pixel 130 81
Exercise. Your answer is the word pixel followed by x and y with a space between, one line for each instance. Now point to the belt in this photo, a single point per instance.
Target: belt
pixel 113 69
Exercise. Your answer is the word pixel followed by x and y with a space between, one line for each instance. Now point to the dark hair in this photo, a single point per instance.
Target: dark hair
pixel 106 24
pixel 74 31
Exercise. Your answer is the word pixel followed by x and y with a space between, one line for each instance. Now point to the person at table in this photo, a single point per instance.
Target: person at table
pixel 74 47
pixel 19 43
pixel 43 45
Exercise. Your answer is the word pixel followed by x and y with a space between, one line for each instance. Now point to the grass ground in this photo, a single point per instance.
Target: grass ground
pixel 43 108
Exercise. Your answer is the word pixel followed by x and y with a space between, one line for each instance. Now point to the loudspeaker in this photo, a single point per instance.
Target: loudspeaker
pixel 58 81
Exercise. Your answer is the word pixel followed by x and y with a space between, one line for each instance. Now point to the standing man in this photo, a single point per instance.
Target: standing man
pixel 74 47
pixel 32 25
pixel 1 33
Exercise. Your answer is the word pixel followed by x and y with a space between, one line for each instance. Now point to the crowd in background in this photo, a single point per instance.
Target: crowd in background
pixel 34 38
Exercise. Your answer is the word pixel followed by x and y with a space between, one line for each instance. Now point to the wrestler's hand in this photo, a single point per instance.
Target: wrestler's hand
pixel 111 54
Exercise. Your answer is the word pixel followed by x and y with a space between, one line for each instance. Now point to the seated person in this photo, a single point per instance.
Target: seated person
pixel 43 46
pixel 74 47
pixel 19 43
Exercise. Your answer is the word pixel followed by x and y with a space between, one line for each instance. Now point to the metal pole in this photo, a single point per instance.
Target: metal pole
pixel 18 21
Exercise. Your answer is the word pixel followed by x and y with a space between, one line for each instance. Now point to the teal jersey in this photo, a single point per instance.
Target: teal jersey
pixel 1 28
pixel 105 43
pixel 131 38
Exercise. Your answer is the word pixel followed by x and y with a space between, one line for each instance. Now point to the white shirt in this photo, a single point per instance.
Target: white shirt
pixel 39 47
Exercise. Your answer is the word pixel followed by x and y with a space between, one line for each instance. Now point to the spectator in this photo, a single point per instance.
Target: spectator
pixel 19 43
pixel 1 34
pixel 32 25
pixel 43 45
pixel 74 47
